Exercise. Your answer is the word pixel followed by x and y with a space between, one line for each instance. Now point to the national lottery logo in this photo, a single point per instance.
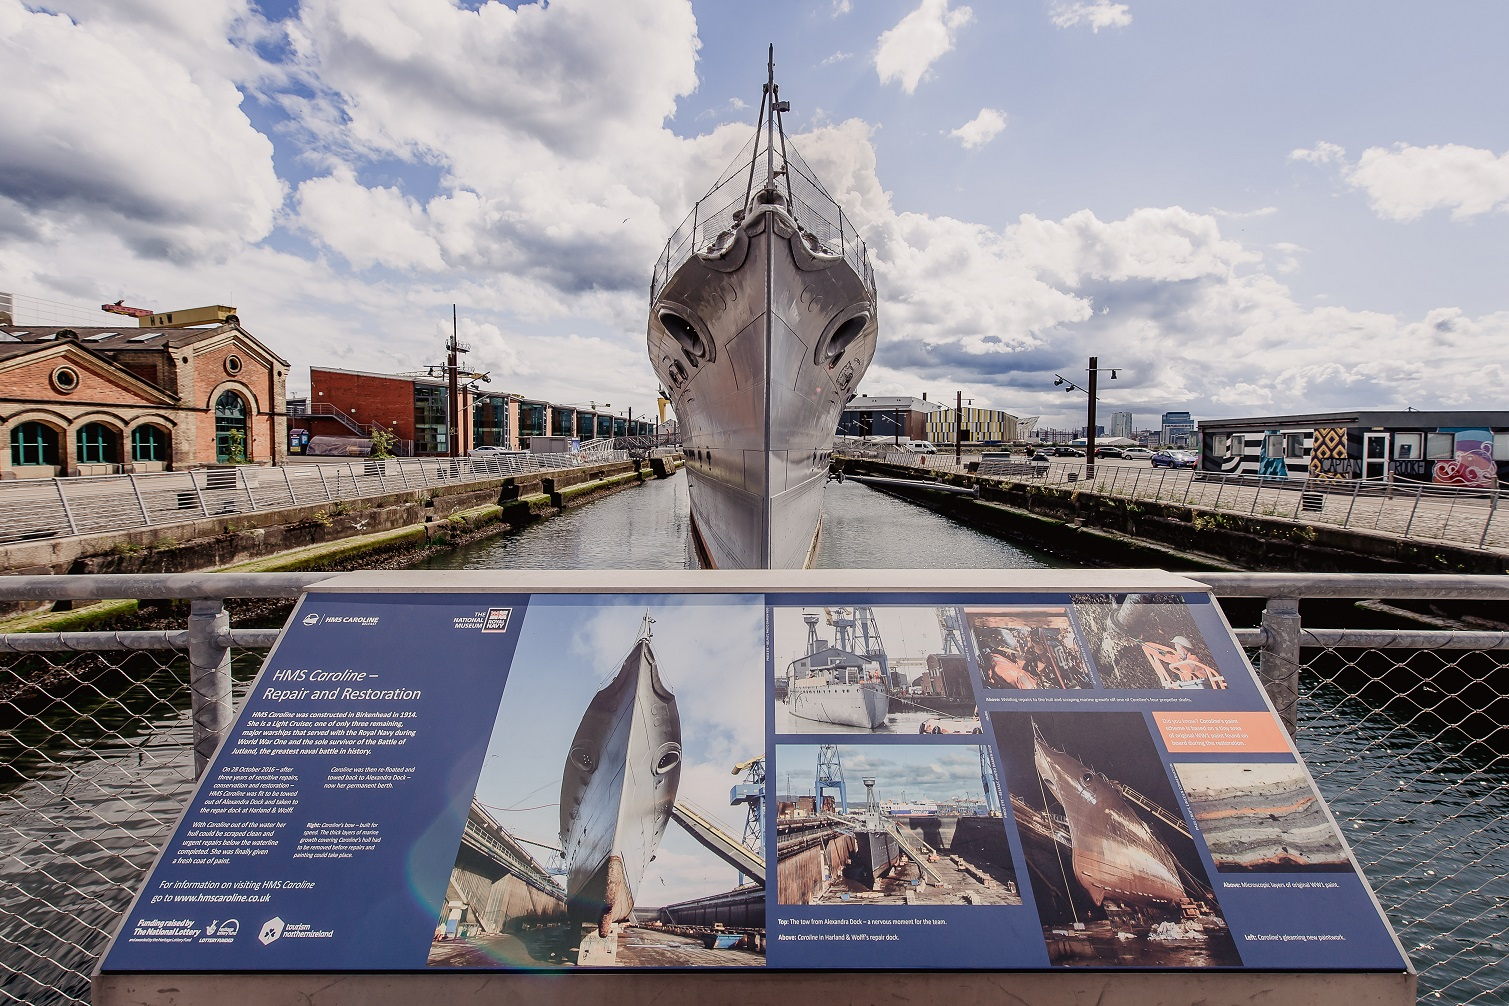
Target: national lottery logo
pixel 311 619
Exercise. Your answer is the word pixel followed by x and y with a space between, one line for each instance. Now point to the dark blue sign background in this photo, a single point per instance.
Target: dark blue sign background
pixel 380 906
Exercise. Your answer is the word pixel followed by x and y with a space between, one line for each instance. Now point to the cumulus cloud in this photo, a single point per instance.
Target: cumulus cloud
pixel 981 129
pixel 1097 14
pixel 905 51
pixel 1405 182
pixel 101 124
pixel 493 158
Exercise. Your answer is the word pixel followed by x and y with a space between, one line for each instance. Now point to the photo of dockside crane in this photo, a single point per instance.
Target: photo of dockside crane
pixel 1115 871
pixel 925 829
pixel 626 864
pixel 1145 641
pixel 885 669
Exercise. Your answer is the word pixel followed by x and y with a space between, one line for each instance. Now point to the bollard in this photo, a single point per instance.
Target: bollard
pixel 1278 661
pixel 209 677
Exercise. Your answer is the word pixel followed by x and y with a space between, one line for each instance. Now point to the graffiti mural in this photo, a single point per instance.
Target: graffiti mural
pixel 1328 456
pixel 1271 461
pixel 1473 464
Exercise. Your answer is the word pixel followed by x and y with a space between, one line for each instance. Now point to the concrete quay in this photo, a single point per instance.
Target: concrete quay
pixel 1152 528
pixel 379 521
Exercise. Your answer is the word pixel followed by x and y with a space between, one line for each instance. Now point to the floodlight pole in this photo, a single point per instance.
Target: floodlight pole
pixel 1090 431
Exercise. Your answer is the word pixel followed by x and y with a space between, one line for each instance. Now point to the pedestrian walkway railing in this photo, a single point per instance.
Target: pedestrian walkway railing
pixel 104 732
pixel 52 508
pixel 1460 515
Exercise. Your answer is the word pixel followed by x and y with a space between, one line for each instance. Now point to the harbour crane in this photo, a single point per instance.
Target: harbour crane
pixel 830 775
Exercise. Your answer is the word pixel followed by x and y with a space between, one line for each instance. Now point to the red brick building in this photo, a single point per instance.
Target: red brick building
pixel 349 403
pixel 98 401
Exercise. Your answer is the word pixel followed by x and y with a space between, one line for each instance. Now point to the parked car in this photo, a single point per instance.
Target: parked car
pixel 1109 452
pixel 921 447
pixel 1042 456
pixel 1068 452
pixel 1136 453
pixel 1175 459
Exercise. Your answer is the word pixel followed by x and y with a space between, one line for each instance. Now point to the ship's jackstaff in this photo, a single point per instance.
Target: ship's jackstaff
pixel 762 323
pixel 618 787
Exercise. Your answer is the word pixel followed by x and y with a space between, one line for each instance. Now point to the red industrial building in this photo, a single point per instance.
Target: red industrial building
pixel 350 403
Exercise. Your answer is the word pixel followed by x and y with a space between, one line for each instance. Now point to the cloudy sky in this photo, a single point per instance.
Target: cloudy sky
pixel 1250 207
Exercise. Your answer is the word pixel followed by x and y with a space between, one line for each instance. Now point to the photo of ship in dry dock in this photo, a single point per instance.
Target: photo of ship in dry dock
pixel 1145 641
pixel 1261 818
pixel 601 832
pixel 1027 648
pixel 1115 872
pixel 872 670
pixel 892 824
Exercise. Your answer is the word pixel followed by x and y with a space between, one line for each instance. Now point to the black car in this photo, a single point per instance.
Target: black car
pixel 1108 452
pixel 1068 452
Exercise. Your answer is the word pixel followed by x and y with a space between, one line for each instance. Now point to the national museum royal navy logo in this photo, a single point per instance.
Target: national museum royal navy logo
pixel 491 620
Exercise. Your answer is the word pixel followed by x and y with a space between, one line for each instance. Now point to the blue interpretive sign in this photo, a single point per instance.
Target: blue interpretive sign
pixel 439 780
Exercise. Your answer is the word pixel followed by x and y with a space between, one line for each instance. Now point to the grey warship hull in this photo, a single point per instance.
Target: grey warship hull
pixel 618 786
pixel 762 323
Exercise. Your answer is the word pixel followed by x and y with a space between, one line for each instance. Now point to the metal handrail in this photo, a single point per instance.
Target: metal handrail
pixel 33 509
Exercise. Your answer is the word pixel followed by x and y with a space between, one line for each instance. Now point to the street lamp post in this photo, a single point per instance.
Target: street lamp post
pixel 1090 391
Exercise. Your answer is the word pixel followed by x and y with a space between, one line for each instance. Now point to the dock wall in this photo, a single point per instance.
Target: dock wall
pixel 227 539
pixel 1117 531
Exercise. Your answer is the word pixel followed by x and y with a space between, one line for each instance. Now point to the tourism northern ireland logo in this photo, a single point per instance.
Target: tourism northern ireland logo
pixel 491 620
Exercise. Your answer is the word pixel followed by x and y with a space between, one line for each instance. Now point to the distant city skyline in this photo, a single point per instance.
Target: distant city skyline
pixel 1248 209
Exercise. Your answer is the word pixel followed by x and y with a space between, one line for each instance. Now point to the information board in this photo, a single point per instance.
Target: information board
pixel 440 776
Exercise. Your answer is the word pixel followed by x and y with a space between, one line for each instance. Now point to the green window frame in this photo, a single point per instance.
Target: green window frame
pixel 95 445
pixel 230 418
pixel 149 443
pixel 33 443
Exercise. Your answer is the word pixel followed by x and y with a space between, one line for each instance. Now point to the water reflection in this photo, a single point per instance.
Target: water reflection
pixel 647 528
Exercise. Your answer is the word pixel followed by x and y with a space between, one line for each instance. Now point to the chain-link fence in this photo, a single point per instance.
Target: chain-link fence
pixel 1411 750
pixel 98 760
pixel 1407 742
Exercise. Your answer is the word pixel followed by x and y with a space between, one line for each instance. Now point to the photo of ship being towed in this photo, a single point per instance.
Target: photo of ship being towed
pixel 762 323
pixel 618 787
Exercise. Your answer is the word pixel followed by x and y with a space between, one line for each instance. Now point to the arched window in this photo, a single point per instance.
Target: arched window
pixel 33 444
pixel 96 445
pixel 149 443
pixel 230 429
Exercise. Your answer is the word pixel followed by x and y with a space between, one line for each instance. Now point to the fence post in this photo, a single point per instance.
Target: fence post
pixel 293 500
pixel 1356 485
pixel 319 470
pixel 1278 660
pixel 146 518
pixel 67 510
pixel 1492 506
pixel 1414 509
pixel 209 677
